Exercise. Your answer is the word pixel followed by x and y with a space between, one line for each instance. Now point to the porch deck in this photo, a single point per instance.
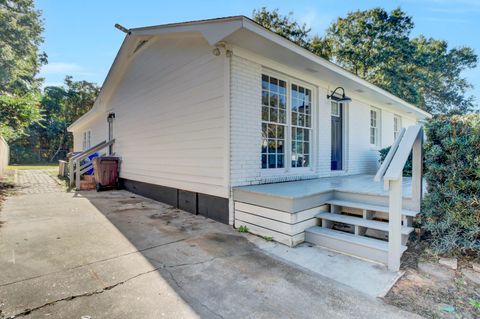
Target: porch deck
pixel 361 183
pixel 284 211
pixel 300 195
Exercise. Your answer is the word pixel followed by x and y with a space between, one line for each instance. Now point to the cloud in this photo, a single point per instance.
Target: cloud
pixel 64 68
pixel 445 20
pixel 60 67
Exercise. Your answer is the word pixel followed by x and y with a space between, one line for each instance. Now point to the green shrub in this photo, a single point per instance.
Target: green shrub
pixel 451 208
pixel 407 170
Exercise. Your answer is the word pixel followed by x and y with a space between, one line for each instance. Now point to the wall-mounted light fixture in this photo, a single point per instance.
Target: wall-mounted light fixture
pixel 222 46
pixel 339 99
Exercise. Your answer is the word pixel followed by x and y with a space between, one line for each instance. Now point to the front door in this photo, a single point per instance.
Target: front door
pixel 337 136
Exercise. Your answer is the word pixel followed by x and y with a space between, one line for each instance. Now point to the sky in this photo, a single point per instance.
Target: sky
pixel 80 38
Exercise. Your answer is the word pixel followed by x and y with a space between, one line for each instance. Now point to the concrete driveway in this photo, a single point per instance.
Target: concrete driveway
pixel 117 255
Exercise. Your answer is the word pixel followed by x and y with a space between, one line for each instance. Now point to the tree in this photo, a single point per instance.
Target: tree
pixel 20 38
pixel 20 62
pixel 17 113
pixel 60 106
pixel 377 46
pixel 282 25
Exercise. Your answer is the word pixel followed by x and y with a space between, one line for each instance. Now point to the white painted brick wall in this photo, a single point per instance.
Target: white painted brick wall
pixel 245 117
pixel 245 122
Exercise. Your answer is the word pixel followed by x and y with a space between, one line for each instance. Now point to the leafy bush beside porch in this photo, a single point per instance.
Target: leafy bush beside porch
pixel 451 209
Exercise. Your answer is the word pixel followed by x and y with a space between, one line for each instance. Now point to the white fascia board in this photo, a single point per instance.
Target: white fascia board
pixel 212 30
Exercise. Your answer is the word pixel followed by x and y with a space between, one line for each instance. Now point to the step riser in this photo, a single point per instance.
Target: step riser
pixel 371 199
pixel 346 247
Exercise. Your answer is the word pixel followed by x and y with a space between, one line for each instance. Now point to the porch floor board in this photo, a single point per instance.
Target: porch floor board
pixel 358 184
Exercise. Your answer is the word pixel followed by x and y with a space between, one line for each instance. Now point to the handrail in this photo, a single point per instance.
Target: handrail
pixel 387 160
pixel 409 140
pixel 75 167
pixel 92 150
pixel 395 169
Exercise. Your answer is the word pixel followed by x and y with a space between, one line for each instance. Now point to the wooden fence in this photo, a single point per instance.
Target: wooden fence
pixel 4 155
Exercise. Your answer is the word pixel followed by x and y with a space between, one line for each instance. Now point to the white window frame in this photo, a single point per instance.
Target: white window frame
pixel 87 139
pixel 335 112
pixel 288 127
pixel 375 125
pixel 397 126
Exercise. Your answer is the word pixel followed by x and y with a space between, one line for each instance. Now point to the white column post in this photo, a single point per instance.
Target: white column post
pixel 417 159
pixel 77 175
pixel 70 172
pixel 395 224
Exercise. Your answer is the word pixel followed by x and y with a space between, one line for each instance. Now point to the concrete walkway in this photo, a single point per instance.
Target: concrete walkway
pixel 117 255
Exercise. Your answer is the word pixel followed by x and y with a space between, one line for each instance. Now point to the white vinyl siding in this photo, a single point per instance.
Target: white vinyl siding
pixel 170 116
pixel 98 133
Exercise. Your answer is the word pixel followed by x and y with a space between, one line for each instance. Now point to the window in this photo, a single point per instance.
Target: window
pixel 374 126
pixel 84 143
pixel 86 140
pixel 335 108
pixel 274 121
pixel 397 126
pixel 89 144
pixel 301 110
pixel 286 121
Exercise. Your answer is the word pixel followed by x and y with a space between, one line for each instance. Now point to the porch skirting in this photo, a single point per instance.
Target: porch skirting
pixel 284 227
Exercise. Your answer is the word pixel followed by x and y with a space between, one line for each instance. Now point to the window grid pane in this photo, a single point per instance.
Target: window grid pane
pixel 373 127
pixel 274 120
pixel 301 125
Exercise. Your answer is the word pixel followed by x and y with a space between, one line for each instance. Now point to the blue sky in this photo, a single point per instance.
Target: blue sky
pixel 81 41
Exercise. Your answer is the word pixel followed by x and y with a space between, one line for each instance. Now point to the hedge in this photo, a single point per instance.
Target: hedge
pixel 451 208
pixel 407 170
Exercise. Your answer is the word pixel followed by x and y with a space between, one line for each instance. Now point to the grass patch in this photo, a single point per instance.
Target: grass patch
pixel 243 229
pixel 49 166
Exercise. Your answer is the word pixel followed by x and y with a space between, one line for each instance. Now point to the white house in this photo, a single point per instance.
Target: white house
pixel 200 111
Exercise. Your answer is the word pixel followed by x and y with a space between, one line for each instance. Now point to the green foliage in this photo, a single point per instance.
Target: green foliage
pixel 17 113
pixel 451 208
pixel 268 238
pixel 283 25
pixel 407 170
pixel 243 229
pixel 20 60
pixel 377 46
pixel 61 106
pixel 474 303
pixel 20 38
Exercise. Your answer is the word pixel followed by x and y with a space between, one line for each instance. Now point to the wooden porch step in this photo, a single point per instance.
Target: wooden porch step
pixel 377 208
pixel 358 221
pixel 363 247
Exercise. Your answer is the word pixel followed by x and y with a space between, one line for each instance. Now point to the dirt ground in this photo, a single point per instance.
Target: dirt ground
pixel 434 297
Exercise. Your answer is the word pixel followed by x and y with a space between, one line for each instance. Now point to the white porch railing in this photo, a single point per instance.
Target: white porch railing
pixel 76 169
pixel 391 170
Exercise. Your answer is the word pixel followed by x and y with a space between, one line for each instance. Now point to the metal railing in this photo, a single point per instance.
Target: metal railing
pixel 391 170
pixel 75 167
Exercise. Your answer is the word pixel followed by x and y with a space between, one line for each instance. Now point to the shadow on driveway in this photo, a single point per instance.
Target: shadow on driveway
pixel 118 255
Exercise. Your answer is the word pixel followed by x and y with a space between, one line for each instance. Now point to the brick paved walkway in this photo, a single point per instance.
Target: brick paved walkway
pixel 36 181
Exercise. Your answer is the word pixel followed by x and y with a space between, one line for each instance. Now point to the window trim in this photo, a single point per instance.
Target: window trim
pixel 87 139
pixel 378 126
pixel 288 132
pixel 399 124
